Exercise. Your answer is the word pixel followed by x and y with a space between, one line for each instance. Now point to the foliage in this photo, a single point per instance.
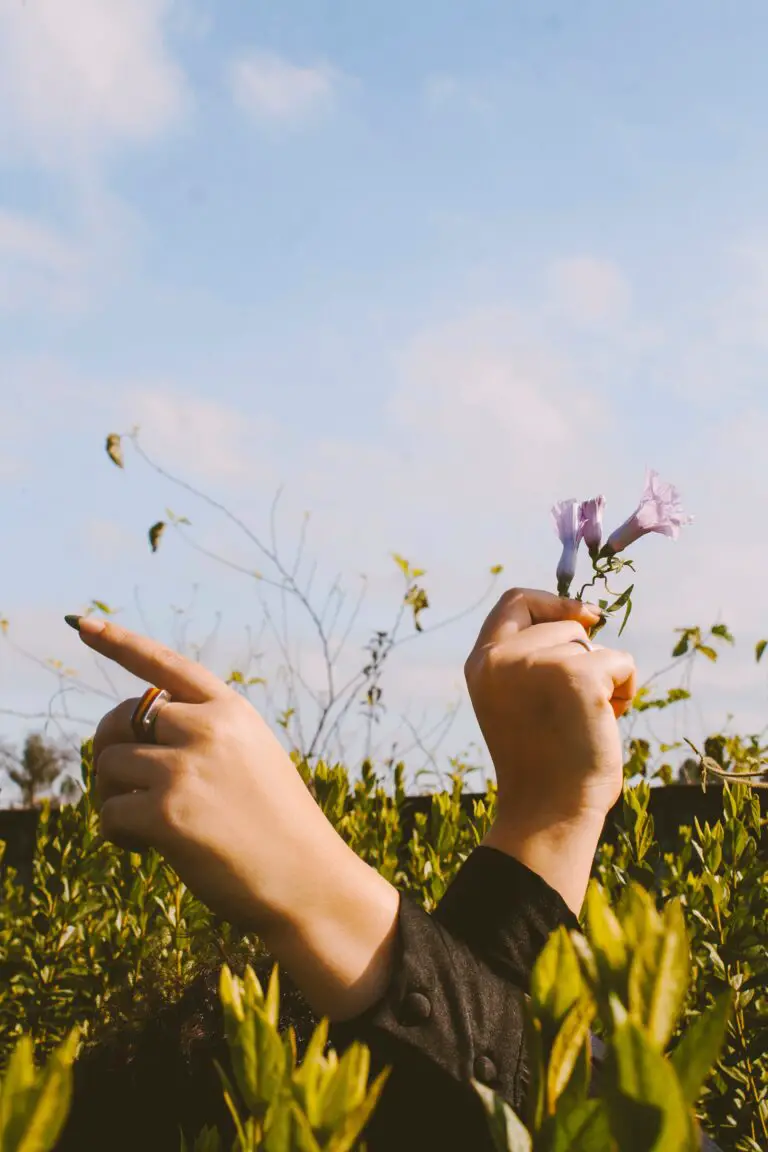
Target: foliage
pixel 34 1104
pixel 631 975
pixel 40 764
pixel 104 937
pixel 719 872
pixel 321 1105
pixel 672 971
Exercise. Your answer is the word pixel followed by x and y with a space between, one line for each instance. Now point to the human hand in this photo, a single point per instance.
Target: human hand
pixel 548 711
pixel 222 801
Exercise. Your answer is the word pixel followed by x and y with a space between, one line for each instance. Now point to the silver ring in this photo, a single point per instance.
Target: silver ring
pixel 584 643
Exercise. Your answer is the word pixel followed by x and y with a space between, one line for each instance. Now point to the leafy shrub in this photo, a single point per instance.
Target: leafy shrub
pixel 103 938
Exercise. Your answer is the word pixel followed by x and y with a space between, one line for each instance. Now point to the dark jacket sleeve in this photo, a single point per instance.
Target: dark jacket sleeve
pixel 454 1009
pixel 504 912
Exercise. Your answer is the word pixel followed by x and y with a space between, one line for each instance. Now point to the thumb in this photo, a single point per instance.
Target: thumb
pixel 523 607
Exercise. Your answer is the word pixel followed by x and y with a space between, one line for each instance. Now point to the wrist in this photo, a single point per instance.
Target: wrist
pixel 561 851
pixel 336 935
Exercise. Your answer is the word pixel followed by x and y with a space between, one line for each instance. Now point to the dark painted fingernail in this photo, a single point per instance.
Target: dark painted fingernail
pixel 74 622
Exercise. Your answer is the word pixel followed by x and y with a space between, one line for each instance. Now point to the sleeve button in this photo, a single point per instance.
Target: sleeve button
pixel 484 1069
pixel 416 1008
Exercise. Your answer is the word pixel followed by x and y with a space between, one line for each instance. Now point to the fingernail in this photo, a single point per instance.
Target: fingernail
pixel 73 621
pixel 593 608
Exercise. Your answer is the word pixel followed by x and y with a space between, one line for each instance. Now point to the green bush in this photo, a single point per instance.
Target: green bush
pixel 104 938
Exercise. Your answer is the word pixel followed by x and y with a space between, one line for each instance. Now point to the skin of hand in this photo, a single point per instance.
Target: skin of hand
pixel 221 800
pixel 548 710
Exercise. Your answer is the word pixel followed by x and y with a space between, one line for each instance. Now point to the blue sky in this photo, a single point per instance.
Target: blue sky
pixel 429 267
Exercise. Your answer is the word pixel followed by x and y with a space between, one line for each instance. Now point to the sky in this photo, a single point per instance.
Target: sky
pixel 425 270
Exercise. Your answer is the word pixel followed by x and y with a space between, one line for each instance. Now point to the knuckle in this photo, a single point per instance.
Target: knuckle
pixel 208 724
pixel 172 807
pixel 483 664
pixel 473 666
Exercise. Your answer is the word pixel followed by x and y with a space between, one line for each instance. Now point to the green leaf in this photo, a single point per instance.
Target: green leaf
pixel 622 600
pixel 344 1091
pixel 760 648
pixel 583 1128
pixel 659 975
pixel 636 910
pixel 697 1052
pixel 681 647
pixel 34 1105
pixel 346 1135
pixel 100 606
pixel 627 614
pixel 508 1132
pixel 288 1130
pixel 556 980
pixel 605 935
pixel 208 1140
pixel 646 1107
pixel 497 569
pixel 272 998
pixel 567 1047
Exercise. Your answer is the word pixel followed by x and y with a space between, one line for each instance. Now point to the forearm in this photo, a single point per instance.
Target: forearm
pixel 336 934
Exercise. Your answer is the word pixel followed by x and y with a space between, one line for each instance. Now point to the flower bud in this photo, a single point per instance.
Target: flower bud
pixel 567 521
pixel 591 517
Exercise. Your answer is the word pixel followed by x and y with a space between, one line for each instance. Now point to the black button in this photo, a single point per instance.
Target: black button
pixel 484 1069
pixel 416 1008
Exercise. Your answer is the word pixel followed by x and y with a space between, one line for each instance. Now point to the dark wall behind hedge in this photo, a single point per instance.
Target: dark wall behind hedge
pixel 671 807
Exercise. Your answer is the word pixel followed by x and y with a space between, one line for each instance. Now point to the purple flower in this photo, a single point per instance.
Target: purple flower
pixel 567 520
pixel 658 511
pixel 591 517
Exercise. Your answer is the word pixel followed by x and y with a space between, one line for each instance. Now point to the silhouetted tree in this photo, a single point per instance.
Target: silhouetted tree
pixel 37 767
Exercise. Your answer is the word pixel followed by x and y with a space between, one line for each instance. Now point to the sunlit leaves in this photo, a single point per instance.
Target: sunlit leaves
pixel 508 1132
pixel 646 1106
pixel 34 1104
pixel 695 1056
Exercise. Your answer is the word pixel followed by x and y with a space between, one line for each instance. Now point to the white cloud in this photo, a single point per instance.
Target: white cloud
pixel 270 88
pixel 38 266
pixel 590 291
pixel 206 438
pixel 77 77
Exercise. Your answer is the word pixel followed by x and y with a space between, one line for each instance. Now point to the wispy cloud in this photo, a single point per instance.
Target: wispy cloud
pixel 590 291
pixel 78 77
pixel 271 88
pixel 443 91
pixel 38 266
pixel 207 439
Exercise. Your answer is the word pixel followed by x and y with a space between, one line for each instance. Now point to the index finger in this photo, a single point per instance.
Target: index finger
pixel 187 682
pixel 523 607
